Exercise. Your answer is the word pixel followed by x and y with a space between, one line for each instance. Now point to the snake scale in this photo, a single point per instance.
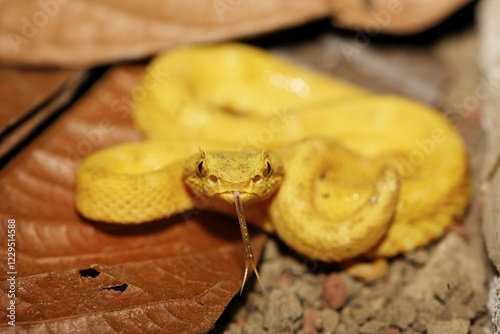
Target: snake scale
pixel 336 171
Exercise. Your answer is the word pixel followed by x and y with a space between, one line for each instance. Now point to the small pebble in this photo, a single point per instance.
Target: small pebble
pixel 328 320
pixel 257 301
pixel 255 320
pixel 482 325
pixel 271 250
pixel 334 291
pixel 270 271
pixel 374 327
pixel 285 280
pixel 254 331
pixel 418 257
pixel 404 313
pixel 370 308
pixel 310 319
pixel 309 294
pixel 284 312
pixel 347 323
pixel 455 326
pixel 233 329
pixel 353 286
pixel 393 330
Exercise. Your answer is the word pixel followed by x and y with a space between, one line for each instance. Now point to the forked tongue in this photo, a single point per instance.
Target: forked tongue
pixel 249 259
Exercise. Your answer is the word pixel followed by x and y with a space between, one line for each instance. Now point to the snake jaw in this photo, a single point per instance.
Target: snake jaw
pixel 245 197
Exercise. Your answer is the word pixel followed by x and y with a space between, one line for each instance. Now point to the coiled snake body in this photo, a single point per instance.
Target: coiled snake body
pixel 334 170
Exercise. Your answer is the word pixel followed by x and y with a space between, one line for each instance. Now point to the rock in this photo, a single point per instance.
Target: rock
pixel 334 291
pixel 347 323
pixel 353 286
pixel 453 265
pixel 284 312
pixel 374 327
pixel 253 331
pixel 257 300
pixel 403 314
pixel 393 330
pixel 328 321
pixel 310 319
pixel 482 325
pixel 368 308
pixel 254 322
pixel 418 257
pixel 309 294
pixel 269 271
pixel 233 329
pixel 455 326
pixel 271 250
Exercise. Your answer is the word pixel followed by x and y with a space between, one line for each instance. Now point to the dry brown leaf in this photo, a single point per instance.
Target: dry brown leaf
pixel 75 276
pixel 389 16
pixel 85 33
pixel 22 90
pixel 29 97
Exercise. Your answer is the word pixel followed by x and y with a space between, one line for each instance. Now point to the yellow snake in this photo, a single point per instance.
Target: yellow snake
pixel 334 170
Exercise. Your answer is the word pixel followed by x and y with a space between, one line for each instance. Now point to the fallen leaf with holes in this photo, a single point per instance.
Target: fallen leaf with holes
pixel 75 276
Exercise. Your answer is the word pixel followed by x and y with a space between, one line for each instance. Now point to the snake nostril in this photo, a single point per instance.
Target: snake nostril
pixel 213 179
pixel 257 178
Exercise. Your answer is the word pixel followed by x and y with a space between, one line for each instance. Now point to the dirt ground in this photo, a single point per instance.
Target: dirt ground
pixel 438 289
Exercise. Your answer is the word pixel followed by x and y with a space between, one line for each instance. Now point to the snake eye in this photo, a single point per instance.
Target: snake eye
pixel 267 169
pixel 266 165
pixel 200 169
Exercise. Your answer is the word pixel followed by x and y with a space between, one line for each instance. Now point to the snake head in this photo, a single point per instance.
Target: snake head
pixel 217 175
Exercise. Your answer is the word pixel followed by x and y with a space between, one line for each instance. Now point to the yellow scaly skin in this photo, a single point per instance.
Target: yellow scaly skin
pixel 350 173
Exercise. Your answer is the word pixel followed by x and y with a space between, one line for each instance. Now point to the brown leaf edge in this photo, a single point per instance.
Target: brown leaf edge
pixel 30 97
pixel 24 89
